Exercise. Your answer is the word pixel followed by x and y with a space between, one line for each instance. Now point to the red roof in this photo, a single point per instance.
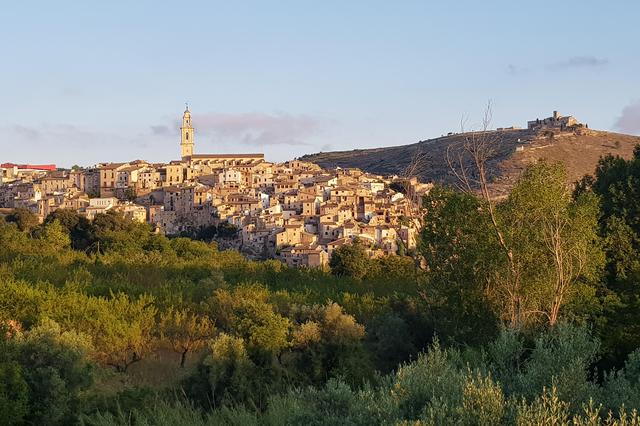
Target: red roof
pixel 51 167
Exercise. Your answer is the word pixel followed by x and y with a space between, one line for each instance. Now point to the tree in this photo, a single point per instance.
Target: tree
pixel 535 227
pixel 328 342
pixel 14 391
pixel 130 193
pixel 247 313
pixel 130 338
pixel 187 248
pixel 55 236
pixel 14 394
pixel 350 260
pixel 554 239
pixel 459 247
pixel 122 329
pixel 185 331
pixel 617 184
pixel 230 369
pixel 24 219
pixel 76 225
pixel 207 233
pixel 410 174
pixel 56 370
pixel 226 230
pixel 469 162
pixel 390 340
pixel 394 269
pixel 112 231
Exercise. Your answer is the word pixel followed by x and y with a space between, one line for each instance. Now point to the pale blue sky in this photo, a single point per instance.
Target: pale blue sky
pixel 85 82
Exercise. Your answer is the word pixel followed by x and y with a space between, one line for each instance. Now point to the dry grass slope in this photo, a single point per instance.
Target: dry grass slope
pixel 579 151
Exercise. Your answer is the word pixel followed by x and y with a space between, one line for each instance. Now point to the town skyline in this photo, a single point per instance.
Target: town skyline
pixel 88 83
pixel 178 136
pixel 295 211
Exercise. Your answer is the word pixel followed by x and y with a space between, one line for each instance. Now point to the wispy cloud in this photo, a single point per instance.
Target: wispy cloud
pixel 162 130
pixel 52 134
pixel 278 135
pixel 629 120
pixel 259 128
pixel 574 62
pixel 50 141
pixel 27 133
pixel 251 128
pixel 515 69
pixel 579 62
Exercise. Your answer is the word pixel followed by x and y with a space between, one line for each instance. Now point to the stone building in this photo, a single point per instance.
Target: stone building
pixel 556 121
pixel 109 177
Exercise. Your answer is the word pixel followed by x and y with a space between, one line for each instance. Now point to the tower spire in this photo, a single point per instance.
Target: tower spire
pixel 187 134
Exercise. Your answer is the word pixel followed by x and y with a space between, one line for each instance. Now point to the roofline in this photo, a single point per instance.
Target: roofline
pixel 226 156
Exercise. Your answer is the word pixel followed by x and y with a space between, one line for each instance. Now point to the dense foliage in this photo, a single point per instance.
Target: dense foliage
pixel 106 322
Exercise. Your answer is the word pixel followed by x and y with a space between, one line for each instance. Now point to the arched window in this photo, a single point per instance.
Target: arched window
pixel 187 136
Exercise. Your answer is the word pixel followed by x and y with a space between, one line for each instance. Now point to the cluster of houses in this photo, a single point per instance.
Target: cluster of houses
pixel 294 211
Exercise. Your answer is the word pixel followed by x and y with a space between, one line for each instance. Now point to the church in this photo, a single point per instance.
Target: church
pixel 207 162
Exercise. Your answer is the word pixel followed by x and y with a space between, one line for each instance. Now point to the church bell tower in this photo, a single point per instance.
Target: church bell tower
pixel 186 131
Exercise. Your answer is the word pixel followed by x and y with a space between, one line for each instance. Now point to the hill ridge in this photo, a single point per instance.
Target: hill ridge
pixel 579 150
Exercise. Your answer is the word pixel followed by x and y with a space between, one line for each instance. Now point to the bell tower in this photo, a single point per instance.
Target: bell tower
pixel 186 131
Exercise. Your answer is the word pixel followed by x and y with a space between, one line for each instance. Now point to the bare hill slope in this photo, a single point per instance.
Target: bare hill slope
pixel 514 149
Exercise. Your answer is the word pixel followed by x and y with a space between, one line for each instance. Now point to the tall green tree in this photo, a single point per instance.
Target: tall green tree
pixel 460 252
pixel 555 243
pixel 617 183
pixel 350 260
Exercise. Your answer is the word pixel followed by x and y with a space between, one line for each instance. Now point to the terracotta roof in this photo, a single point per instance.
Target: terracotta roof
pixel 111 166
pixel 339 242
pixel 132 168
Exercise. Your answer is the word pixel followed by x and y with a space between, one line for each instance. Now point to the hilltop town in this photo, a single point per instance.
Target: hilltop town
pixel 296 211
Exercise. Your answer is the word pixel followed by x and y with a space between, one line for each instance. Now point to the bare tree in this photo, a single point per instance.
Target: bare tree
pixel 468 162
pixel 409 177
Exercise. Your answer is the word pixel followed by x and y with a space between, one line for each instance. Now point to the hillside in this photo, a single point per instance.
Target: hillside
pixel 514 149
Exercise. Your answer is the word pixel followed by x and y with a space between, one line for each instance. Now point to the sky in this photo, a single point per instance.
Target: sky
pixel 89 82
